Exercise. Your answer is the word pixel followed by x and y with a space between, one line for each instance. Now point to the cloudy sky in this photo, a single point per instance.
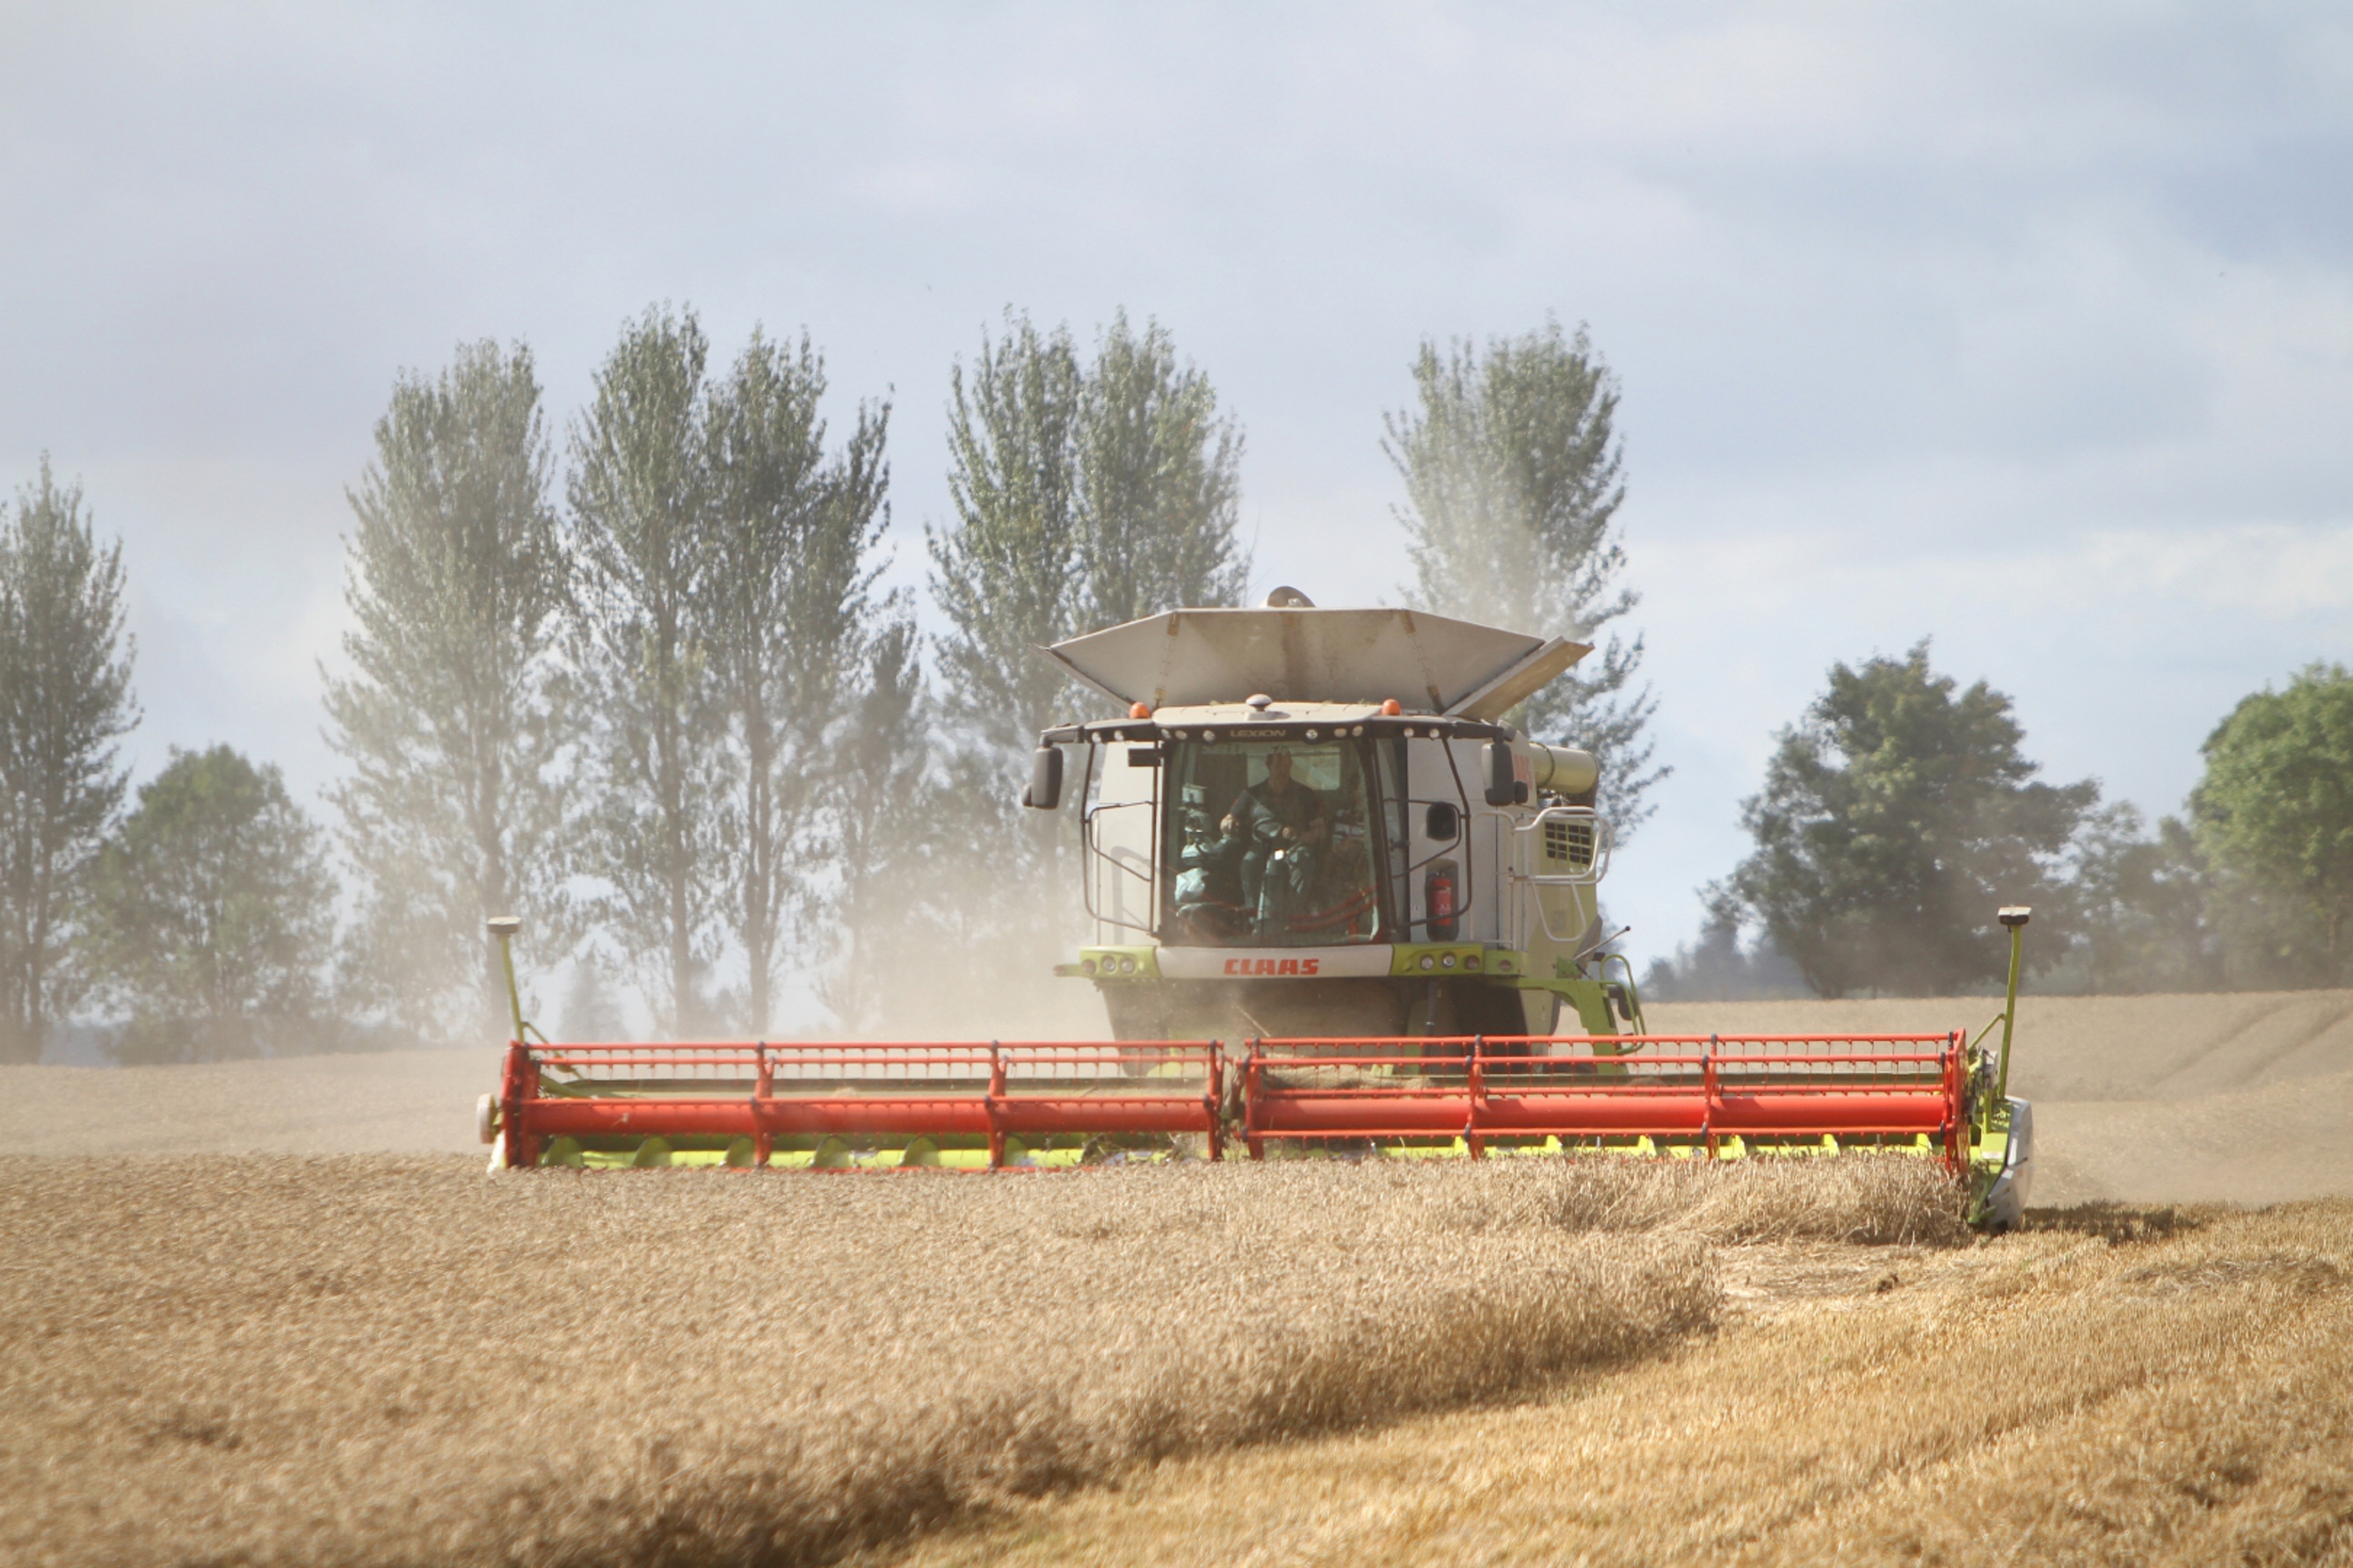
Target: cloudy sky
pixel 2025 328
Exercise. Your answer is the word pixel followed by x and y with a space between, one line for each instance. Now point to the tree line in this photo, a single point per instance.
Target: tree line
pixel 1901 810
pixel 638 681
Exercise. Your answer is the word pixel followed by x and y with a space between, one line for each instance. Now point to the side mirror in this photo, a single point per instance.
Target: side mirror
pixel 1045 791
pixel 1502 784
pixel 1442 822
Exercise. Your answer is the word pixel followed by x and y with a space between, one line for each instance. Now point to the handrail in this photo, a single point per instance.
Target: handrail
pixel 1093 851
pixel 1530 883
pixel 1604 842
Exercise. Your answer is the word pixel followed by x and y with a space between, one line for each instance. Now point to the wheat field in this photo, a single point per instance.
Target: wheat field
pixel 221 1342
pixel 369 1360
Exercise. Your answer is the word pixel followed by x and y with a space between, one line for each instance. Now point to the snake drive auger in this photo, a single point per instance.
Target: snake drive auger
pixel 1338 901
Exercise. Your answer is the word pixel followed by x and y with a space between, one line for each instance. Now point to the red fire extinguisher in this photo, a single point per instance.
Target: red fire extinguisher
pixel 1437 899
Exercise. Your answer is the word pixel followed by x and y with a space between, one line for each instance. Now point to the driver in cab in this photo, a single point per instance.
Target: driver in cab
pixel 1273 815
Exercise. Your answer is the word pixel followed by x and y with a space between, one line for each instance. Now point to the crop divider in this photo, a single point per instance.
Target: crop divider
pixel 1712 1092
pixel 1476 1085
pixel 763 1091
pixel 995 1106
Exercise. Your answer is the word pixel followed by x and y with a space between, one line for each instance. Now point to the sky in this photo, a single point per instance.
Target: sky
pixel 2025 329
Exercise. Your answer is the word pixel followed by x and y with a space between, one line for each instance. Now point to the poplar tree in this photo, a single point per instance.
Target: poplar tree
pixel 641 522
pixel 1514 475
pixel 790 611
pixel 1159 485
pixel 1004 575
pixel 1085 494
pixel 453 714
pixel 65 699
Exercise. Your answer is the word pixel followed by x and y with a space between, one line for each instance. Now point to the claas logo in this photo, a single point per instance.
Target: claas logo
pixel 1249 966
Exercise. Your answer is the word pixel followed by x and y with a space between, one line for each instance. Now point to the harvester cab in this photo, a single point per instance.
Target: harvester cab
pixel 1317 822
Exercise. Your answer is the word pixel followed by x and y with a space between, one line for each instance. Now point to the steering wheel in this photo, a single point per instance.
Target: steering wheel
pixel 1264 828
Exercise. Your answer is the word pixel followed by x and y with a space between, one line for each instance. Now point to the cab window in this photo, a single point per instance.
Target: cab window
pixel 1268 845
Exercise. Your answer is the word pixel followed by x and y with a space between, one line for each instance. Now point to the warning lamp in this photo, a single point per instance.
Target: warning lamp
pixel 1138 710
pixel 1392 707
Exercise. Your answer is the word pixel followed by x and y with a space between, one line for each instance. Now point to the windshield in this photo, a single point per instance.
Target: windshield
pixel 1269 844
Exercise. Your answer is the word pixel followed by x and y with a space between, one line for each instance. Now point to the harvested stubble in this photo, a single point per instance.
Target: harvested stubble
pixel 377 1361
pixel 2107 1388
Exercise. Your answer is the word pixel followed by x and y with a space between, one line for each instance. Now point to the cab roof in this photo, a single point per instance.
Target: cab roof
pixel 1430 663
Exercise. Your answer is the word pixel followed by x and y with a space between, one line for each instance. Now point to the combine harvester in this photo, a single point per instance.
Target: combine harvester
pixel 1339 903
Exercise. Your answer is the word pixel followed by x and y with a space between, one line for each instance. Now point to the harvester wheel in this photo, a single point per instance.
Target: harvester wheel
pixel 485 1118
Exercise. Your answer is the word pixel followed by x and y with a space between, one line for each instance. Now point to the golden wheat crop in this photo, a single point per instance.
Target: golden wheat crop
pixel 278 1359
pixel 2108 1387
pixel 1893 1201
